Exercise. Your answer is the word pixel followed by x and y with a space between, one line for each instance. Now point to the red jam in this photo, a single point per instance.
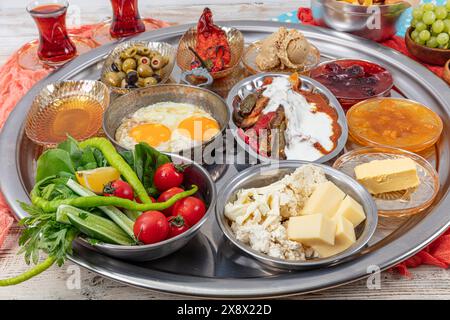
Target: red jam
pixel 352 81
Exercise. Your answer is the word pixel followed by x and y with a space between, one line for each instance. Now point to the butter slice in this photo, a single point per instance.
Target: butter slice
pixel 345 237
pixel 380 176
pixel 312 229
pixel 351 210
pixel 325 199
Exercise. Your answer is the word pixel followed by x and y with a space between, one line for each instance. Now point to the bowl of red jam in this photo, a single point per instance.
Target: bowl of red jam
pixel 353 81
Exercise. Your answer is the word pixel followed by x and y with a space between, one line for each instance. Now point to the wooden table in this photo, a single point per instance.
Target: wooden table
pixel 16 28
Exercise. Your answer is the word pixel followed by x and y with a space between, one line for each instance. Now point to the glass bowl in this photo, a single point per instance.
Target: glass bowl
pixel 394 122
pixel 251 52
pixel 189 39
pixel 163 48
pixel 350 95
pixel 67 108
pixel 398 203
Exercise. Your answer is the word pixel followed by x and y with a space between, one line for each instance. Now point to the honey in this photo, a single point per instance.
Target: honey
pixel 77 116
pixel 394 122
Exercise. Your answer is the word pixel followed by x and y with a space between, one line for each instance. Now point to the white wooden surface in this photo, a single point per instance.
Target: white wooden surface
pixel 16 27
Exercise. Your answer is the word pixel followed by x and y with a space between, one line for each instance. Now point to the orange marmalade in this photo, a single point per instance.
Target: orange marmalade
pixel 394 122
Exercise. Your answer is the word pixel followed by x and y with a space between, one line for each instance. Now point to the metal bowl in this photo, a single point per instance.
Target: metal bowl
pixel 126 105
pixel 45 107
pixel 359 20
pixel 265 174
pixel 255 82
pixel 164 48
pixel 193 174
pixel 189 39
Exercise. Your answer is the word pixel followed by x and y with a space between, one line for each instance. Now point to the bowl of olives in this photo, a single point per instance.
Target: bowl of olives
pixel 138 64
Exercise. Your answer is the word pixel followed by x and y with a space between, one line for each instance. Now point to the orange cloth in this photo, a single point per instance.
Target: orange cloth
pixel 15 83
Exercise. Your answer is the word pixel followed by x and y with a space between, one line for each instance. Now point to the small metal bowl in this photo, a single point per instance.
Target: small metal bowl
pixel 42 117
pixel 126 105
pixel 357 19
pixel 255 82
pixel 193 174
pixel 265 174
pixel 189 39
pixel 163 48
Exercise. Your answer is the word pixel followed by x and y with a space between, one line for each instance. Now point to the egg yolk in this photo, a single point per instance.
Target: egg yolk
pixel 199 128
pixel 153 134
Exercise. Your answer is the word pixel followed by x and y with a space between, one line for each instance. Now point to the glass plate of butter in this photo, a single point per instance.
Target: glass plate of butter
pixel 401 183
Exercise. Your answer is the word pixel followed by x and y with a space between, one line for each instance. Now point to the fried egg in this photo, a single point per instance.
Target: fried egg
pixel 168 126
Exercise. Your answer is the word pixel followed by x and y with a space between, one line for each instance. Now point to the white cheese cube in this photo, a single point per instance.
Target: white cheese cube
pixel 312 229
pixel 325 199
pixel 351 210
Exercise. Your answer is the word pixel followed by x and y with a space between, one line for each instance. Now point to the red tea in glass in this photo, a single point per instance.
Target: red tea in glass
pixel 55 46
pixel 126 19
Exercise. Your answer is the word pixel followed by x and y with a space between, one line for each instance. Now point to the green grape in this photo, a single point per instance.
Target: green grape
pixel 429 17
pixel 443 46
pixel 420 26
pixel 417 13
pixel 418 41
pixel 440 12
pixel 414 22
pixel 428 6
pixel 432 42
pixel 438 26
pixel 447 5
pixel 442 39
pixel 447 25
pixel 424 35
pixel 414 34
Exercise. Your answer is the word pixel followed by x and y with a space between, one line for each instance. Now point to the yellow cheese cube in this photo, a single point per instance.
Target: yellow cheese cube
pixel 345 237
pixel 325 199
pixel 351 210
pixel 380 176
pixel 311 229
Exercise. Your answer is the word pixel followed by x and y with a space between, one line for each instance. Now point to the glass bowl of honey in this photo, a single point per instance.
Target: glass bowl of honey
pixel 394 122
pixel 65 108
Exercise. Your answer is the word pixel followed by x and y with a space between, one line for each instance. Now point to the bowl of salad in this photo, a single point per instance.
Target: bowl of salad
pixel 137 205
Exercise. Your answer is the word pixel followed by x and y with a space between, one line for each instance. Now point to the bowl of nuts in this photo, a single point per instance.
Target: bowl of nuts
pixel 138 64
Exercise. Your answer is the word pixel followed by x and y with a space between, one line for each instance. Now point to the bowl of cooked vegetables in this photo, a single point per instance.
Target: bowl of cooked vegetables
pixel 135 205
pixel 138 64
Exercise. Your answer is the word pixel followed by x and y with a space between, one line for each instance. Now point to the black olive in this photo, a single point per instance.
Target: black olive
pixel 132 76
pixel 114 67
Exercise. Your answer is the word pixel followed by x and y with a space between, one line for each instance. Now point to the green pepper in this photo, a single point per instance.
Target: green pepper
pixel 116 160
pixel 99 201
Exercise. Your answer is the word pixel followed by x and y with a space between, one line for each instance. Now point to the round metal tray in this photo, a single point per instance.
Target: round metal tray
pixel 216 267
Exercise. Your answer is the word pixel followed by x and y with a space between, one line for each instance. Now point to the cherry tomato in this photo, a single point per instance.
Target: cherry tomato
pixel 192 209
pixel 118 188
pixel 151 227
pixel 177 226
pixel 168 176
pixel 166 195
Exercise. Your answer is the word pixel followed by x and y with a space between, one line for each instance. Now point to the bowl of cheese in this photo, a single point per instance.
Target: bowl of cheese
pixel 297 215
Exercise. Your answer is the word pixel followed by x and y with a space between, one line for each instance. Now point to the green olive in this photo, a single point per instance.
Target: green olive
pixel 130 52
pixel 122 55
pixel 144 51
pixel 157 62
pixel 121 75
pixel 150 81
pixel 129 64
pixel 144 70
pixel 144 60
pixel 137 57
pixel 113 78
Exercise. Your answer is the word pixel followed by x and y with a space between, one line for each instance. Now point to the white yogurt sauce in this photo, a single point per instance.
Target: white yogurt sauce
pixel 304 126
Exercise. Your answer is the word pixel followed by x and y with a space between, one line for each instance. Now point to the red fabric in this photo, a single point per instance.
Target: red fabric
pixel 438 253
pixel 15 82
